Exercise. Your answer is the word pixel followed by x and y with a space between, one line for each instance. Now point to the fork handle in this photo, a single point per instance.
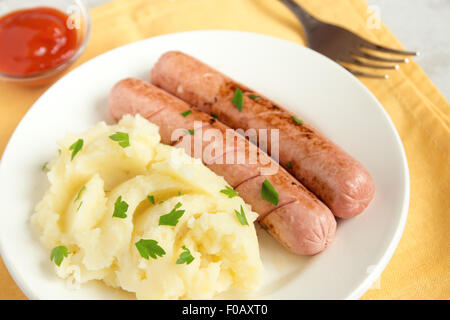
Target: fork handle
pixel 307 20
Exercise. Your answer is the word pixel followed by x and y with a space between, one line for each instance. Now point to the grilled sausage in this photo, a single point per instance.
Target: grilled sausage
pixel 339 180
pixel 300 221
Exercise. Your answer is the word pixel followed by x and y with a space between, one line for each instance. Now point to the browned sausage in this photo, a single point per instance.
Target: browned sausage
pixel 300 221
pixel 339 180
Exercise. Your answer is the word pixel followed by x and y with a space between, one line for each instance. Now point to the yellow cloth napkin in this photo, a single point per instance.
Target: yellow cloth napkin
pixel 420 266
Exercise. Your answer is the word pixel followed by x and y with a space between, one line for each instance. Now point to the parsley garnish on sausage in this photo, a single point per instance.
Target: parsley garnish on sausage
pixel 297 120
pixel 238 99
pixel 269 193
pixel 186 113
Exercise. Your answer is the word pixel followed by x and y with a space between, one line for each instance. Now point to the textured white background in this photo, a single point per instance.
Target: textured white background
pixel 422 25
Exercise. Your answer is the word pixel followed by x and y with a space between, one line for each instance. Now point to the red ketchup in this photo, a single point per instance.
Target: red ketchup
pixel 35 40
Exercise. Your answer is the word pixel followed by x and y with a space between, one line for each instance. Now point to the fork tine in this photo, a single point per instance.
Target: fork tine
pixel 377 58
pixel 371 65
pixel 368 75
pixel 371 45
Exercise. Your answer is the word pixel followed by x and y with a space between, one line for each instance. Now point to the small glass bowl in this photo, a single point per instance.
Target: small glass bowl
pixel 75 9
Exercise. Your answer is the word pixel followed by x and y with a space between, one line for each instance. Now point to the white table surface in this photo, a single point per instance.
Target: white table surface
pixel 421 25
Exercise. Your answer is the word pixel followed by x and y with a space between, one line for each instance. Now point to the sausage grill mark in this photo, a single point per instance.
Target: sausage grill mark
pixel 155 113
pixel 276 208
pixel 246 179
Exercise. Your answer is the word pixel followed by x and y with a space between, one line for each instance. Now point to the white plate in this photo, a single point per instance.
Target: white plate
pixel 312 86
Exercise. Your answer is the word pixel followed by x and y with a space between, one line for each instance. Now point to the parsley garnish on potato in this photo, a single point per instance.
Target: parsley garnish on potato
pixel 149 248
pixel 120 208
pixel 229 192
pixel 241 216
pixel 121 137
pixel 58 254
pixel 76 147
pixel 45 167
pixel 151 199
pixel 185 256
pixel 171 219
pixel 83 189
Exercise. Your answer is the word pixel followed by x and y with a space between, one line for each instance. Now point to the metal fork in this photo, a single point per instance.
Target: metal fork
pixel 344 46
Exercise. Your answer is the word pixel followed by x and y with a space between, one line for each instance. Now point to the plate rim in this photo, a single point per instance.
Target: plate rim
pixel 371 277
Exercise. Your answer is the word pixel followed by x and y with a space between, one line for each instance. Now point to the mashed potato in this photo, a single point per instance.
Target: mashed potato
pixel 138 184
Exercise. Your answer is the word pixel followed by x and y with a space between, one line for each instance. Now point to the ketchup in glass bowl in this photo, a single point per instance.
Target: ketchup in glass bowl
pixel 38 42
